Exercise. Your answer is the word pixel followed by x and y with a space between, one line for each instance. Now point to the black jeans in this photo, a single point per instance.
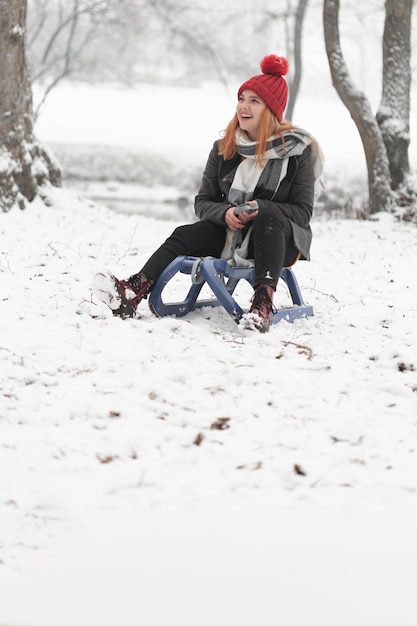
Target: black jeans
pixel 271 246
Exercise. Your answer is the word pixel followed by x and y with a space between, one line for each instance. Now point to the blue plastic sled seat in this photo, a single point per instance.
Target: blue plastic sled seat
pixel 222 279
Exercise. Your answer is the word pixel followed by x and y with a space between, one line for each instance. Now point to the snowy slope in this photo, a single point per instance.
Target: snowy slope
pixel 186 471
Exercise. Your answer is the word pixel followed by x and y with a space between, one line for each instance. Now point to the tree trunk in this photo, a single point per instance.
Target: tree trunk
pixel 379 179
pixel 393 115
pixel 24 163
pixel 298 63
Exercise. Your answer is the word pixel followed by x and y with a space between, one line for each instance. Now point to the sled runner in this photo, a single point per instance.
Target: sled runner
pixel 222 279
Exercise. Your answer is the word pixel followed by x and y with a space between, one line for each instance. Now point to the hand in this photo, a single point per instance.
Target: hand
pixel 233 221
pixel 247 217
pixel 242 217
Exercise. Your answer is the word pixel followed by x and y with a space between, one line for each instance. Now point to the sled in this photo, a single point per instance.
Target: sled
pixel 222 280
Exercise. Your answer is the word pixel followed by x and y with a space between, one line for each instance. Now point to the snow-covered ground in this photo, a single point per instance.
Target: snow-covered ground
pixel 190 472
pixel 183 123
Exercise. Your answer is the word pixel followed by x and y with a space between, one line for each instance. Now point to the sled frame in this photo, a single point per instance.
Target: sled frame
pixel 222 279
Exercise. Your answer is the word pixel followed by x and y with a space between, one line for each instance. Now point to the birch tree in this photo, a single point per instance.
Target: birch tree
pixel 25 165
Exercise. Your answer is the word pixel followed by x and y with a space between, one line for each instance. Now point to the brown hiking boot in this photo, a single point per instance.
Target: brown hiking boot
pixel 260 313
pixel 121 296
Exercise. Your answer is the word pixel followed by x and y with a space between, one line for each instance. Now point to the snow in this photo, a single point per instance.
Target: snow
pixel 188 471
pixel 302 502
pixel 190 119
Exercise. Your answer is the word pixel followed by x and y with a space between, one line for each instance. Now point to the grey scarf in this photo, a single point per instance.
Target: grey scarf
pixel 249 175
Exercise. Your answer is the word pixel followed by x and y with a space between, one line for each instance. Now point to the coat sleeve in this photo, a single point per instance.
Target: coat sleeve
pixel 211 201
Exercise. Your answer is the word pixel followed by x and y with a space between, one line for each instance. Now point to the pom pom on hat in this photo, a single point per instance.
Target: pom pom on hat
pixel 270 86
pixel 274 65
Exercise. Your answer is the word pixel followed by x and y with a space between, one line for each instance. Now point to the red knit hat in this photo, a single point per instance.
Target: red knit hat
pixel 270 86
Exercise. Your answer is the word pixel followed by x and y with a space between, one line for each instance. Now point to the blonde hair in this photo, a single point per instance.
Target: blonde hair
pixel 269 126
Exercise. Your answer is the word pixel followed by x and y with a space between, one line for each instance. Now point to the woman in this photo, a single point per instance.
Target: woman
pixel 254 204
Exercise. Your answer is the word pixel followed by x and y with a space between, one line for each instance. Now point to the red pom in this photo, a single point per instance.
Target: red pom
pixel 274 65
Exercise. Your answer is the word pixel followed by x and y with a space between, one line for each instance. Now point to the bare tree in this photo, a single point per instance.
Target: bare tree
pixel 25 165
pixel 393 115
pixel 196 39
pixel 297 55
pixel 121 41
pixel 135 40
pixel 65 39
pixel 385 138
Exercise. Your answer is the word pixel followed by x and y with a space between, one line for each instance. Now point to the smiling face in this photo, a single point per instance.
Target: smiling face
pixel 249 112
